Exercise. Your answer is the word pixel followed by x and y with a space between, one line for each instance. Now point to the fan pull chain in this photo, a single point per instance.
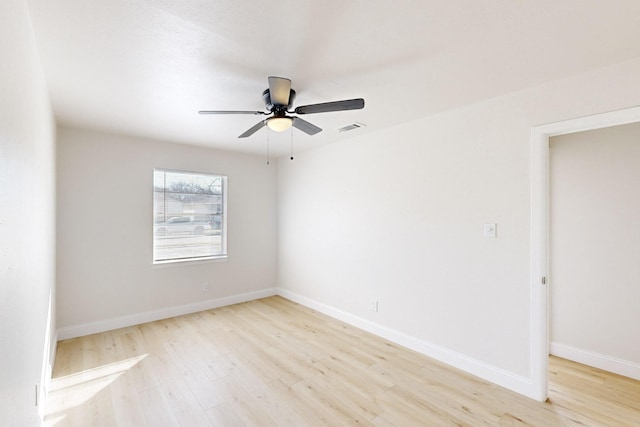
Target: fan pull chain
pixel 291 143
pixel 268 146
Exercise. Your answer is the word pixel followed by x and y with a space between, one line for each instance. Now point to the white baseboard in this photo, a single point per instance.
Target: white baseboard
pixel 150 316
pixel 596 360
pixel 480 369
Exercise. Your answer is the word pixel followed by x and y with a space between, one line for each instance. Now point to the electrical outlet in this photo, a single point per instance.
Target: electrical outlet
pixel 205 287
pixel 374 305
pixel 490 230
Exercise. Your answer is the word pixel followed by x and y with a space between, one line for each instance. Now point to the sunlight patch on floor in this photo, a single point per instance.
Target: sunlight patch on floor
pixel 73 390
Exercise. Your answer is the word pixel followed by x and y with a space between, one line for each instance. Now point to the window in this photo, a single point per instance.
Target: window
pixel 188 216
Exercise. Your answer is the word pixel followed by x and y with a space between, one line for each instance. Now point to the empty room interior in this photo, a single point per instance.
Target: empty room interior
pixel 297 213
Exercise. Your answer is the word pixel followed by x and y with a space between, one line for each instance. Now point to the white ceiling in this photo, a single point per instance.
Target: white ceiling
pixel 145 67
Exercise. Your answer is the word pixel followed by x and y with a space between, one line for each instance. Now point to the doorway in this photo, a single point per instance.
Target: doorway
pixel 593 248
pixel 540 232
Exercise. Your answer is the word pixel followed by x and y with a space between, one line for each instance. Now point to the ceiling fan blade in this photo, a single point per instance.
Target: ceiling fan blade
pixel 326 107
pixel 279 89
pixel 253 130
pixel 305 126
pixel 231 112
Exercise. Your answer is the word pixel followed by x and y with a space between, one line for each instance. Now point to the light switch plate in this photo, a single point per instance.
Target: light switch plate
pixel 490 230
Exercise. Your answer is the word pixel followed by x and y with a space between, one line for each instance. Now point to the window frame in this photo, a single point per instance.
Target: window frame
pixel 223 230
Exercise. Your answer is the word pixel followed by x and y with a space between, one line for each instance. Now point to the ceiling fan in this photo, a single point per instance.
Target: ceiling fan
pixel 278 100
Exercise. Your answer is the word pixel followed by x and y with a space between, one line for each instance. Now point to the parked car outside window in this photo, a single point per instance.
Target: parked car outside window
pixel 182 225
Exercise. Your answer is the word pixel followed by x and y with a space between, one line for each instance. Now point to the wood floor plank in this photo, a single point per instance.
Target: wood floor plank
pixel 275 362
pixel 200 385
pixel 127 407
pixel 156 408
pixel 273 404
pixel 359 401
pixel 320 405
pixel 186 407
pixel 141 372
pixel 223 415
pixel 449 396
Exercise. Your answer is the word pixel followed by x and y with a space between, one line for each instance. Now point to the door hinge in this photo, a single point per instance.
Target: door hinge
pixel 544 280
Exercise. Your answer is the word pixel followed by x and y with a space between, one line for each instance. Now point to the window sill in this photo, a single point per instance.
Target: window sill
pixel 190 261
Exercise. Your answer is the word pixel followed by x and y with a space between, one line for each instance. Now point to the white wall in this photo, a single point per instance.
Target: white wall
pixel 105 273
pixel 398 216
pixel 27 217
pixel 595 245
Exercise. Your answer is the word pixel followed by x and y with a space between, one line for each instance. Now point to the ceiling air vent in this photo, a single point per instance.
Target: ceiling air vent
pixel 352 126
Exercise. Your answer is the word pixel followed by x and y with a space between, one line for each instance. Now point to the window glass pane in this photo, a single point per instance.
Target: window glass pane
pixel 188 216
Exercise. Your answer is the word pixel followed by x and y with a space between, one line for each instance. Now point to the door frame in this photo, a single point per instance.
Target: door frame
pixel 540 231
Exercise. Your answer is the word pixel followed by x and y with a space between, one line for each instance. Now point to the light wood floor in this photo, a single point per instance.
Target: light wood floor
pixel 272 362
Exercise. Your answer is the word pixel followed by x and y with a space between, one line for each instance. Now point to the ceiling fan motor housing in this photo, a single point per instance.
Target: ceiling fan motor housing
pixel 266 97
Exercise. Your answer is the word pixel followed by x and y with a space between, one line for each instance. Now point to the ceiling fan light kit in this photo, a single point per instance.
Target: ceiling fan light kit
pixel 279 124
pixel 278 99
